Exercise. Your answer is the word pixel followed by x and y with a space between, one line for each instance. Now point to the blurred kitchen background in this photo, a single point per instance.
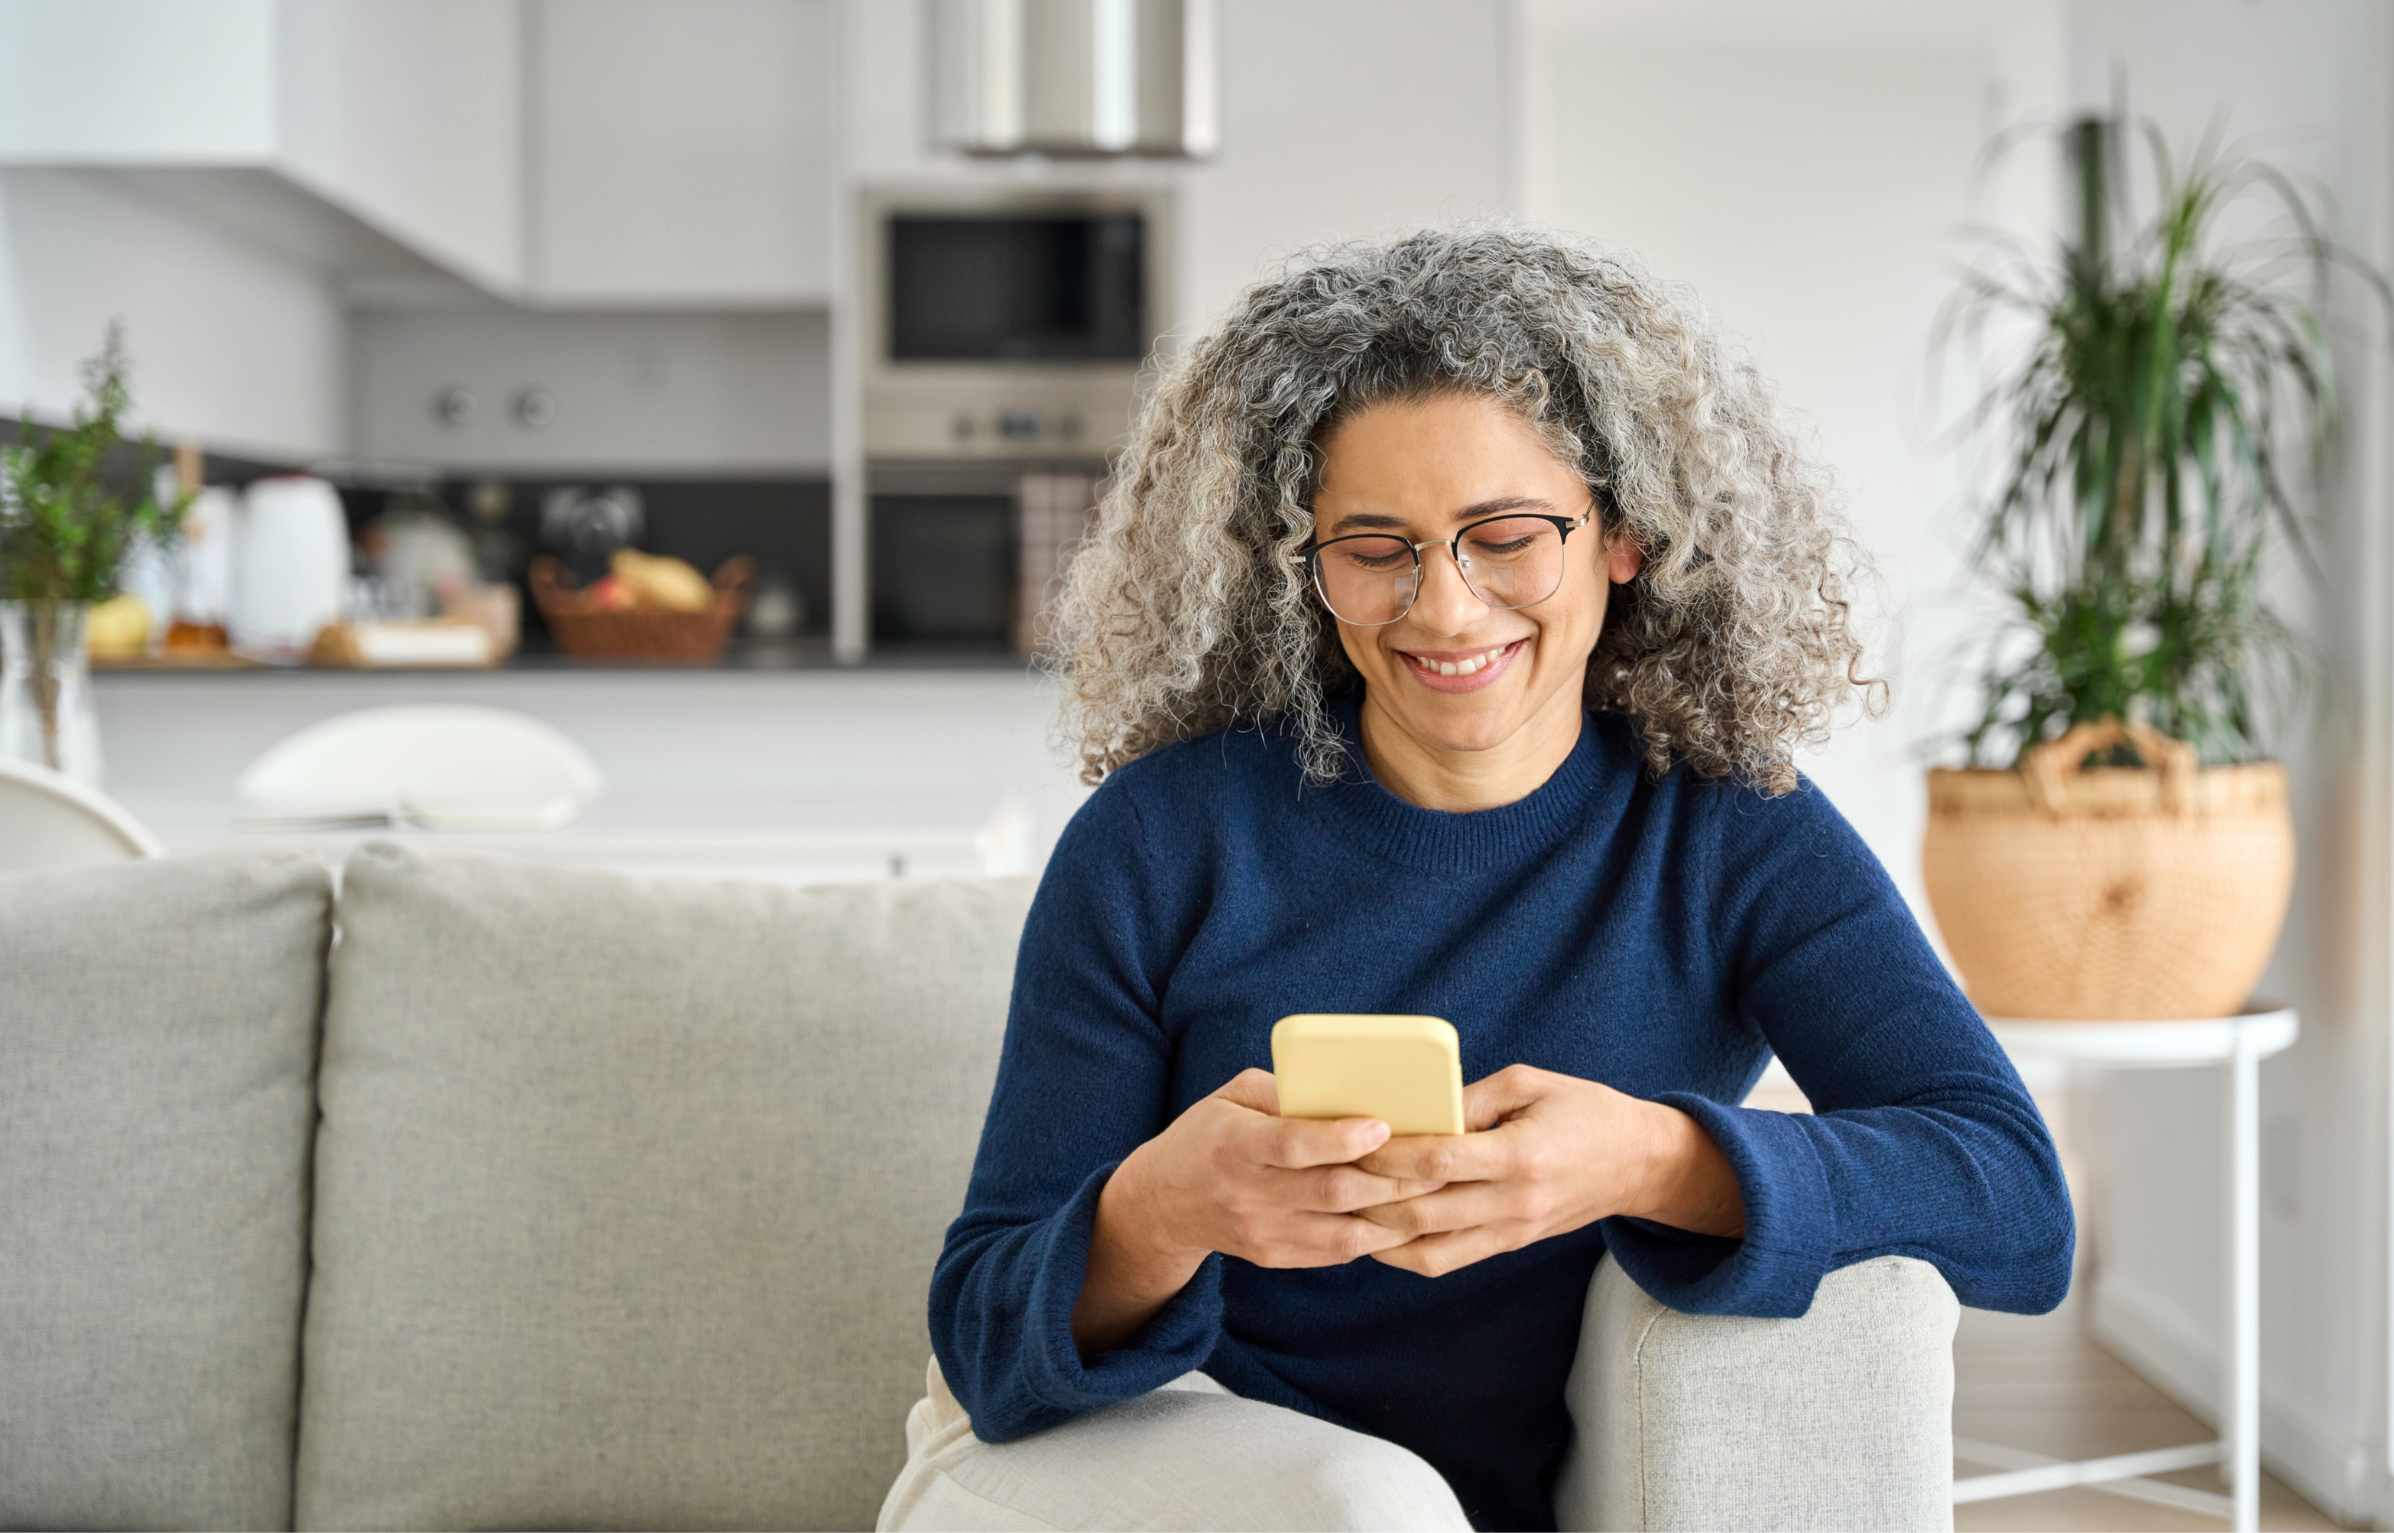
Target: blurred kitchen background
pixel 820 304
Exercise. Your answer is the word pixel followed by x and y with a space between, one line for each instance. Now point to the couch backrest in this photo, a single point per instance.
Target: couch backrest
pixel 627 1191
pixel 158 1024
pixel 497 1192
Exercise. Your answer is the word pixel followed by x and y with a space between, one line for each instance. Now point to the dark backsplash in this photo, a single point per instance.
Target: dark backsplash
pixel 784 525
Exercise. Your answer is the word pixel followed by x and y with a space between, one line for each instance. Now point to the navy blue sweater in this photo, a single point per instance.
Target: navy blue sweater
pixel 1663 936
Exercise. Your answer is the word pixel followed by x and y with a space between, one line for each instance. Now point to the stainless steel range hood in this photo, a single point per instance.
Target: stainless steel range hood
pixel 1074 78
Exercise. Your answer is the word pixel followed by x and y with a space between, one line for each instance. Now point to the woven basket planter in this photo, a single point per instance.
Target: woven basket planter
pixel 2072 893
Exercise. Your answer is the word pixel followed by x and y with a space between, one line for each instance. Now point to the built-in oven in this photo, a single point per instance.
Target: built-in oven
pixel 1003 329
pixel 965 554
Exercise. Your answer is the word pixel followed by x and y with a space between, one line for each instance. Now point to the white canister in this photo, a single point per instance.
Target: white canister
pixel 290 564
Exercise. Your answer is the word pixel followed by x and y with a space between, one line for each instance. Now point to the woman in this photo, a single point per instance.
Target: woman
pixel 1440 648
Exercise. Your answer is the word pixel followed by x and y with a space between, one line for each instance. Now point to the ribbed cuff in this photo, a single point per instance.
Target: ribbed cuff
pixel 1175 1339
pixel 1791 1222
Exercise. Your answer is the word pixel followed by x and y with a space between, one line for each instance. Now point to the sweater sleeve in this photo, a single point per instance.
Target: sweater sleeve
pixel 1083 1078
pixel 1923 1140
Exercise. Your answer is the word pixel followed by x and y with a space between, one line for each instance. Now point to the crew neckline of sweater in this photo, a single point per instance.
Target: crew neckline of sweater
pixel 1456 842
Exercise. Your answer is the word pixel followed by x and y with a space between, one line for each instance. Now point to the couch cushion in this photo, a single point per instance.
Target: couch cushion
pixel 629 1189
pixel 157 1052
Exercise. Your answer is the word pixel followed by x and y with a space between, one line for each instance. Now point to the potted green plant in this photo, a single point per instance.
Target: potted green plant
pixel 65 531
pixel 2141 505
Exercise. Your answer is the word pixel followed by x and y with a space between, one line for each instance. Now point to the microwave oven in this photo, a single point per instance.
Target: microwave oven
pixel 1007 319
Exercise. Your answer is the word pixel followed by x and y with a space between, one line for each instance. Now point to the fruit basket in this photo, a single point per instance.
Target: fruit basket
pixel 587 627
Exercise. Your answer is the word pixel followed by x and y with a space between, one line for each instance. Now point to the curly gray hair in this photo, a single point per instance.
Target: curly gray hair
pixel 1180 611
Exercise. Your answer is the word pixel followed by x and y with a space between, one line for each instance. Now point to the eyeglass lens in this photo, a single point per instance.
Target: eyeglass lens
pixel 1507 563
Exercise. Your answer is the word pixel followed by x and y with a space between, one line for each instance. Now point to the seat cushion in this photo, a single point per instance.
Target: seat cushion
pixel 629 1189
pixel 157 1053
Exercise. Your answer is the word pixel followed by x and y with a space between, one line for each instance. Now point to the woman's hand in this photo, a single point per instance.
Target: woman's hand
pixel 1231 1175
pixel 1544 1154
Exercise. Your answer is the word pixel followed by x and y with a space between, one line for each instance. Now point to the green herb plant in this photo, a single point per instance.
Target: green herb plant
pixel 65 531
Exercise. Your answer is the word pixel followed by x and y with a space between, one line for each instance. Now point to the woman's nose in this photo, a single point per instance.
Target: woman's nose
pixel 1444 600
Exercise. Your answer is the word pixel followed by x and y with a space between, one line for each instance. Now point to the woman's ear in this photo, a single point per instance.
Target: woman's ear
pixel 1624 558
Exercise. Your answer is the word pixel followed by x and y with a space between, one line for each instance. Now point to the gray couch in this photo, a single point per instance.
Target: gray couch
pixel 444 1191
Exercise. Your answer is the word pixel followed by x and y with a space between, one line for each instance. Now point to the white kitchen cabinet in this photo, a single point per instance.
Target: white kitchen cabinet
pixel 377 138
pixel 412 111
pixel 680 154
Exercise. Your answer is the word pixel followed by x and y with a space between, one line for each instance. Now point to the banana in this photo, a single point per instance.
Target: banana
pixel 667 583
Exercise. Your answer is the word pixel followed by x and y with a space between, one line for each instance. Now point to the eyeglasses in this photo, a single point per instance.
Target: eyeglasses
pixel 1368 579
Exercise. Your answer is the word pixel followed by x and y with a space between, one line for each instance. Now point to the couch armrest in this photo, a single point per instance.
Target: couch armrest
pixel 1842 1418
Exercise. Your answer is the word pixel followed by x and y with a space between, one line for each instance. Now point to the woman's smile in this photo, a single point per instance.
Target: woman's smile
pixel 1467 671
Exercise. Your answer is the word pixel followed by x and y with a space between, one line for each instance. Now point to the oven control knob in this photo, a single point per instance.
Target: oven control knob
pixel 1019 424
pixel 1068 427
pixel 962 428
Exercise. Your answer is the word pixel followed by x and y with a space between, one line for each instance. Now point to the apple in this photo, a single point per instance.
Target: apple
pixel 611 594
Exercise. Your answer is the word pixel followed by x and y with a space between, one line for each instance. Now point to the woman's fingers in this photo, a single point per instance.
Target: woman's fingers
pixel 1342 1189
pixel 1337 1238
pixel 1293 1143
pixel 1461 1206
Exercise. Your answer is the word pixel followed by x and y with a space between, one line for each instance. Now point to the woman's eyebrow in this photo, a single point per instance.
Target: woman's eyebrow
pixel 1468 513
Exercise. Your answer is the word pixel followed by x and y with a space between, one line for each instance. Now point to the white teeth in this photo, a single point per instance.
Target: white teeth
pixel 1460 667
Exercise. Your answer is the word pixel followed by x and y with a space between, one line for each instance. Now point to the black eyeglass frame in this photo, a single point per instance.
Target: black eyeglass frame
pixel 1310 556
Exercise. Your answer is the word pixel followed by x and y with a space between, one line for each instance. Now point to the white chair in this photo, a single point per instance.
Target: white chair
pixel 50 820
pixel 451 766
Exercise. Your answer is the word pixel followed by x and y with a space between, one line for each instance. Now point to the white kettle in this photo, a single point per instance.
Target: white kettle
pixel 290 565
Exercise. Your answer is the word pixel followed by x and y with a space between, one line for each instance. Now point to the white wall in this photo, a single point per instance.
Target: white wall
pixel 228 343
pixel 2303 85
pixel 1347 119
pixel 1802 182
pixel 1797 174
pixel 700 392
pixel 1803 177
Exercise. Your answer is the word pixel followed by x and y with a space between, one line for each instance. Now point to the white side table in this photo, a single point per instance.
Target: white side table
pixel 2240 1043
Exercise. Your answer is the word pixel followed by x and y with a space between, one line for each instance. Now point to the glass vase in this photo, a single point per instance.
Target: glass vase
pixel 46 712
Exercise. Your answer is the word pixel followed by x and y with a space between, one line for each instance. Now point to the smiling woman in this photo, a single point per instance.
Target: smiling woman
pixel 1441 648
pixel 1398 388
pixel 1507 619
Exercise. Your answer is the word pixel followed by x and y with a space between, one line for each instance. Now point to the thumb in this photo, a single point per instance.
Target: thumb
pixel 1253 1087
pixel 1488 1100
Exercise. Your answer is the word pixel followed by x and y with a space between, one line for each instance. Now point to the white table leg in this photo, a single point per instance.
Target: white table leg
pixel 2240 1391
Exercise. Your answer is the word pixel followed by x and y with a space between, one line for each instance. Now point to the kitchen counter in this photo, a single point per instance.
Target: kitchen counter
pixel 706 758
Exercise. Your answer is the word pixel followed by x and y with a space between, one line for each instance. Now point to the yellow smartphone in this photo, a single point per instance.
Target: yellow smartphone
pixel 1407 1071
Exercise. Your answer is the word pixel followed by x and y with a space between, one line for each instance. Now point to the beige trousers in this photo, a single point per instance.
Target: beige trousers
pixel 1188 1455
